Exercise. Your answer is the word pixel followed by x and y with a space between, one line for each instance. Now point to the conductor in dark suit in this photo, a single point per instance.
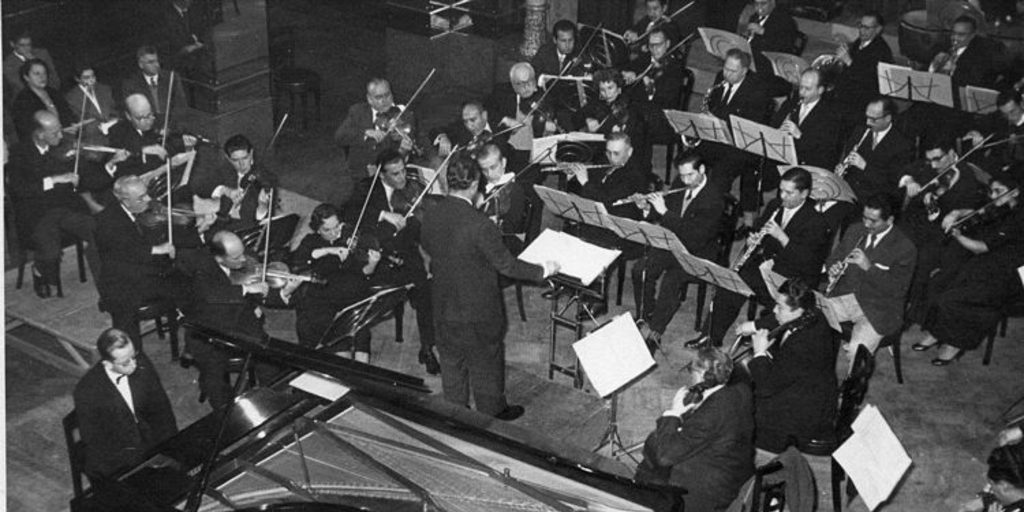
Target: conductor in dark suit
pixel 694 216
pixel 122 407
pixel 792 234
pixel 467 256
pixel 814 122
pixel 704 442
pixel 155 84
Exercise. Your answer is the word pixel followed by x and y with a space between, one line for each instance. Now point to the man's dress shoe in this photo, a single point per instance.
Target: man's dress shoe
pixel 510 413
pixel 39 285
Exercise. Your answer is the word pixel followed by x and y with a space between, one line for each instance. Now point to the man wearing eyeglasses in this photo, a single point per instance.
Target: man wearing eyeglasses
pixel 122 407
pixel 858 83
pixel 876 154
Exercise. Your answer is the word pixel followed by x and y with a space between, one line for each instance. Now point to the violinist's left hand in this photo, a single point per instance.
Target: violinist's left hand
pixel 180 159
pixel 507 121
pixel 120 156
pixel 289 288
pixel 593 125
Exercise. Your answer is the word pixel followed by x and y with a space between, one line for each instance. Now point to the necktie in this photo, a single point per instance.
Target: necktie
pixel 804 110
pixel 154 91
pixel 727 94
pixel 117 382
pixel 686 201
pixel 870 242
pixel 874 140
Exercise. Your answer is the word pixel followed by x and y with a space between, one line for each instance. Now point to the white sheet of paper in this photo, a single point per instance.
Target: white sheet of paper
pixel 613 355
pixel 873 457
pixel 320 385
pixel 578 259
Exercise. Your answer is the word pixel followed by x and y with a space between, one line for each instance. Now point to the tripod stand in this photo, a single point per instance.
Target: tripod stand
pixel 611 437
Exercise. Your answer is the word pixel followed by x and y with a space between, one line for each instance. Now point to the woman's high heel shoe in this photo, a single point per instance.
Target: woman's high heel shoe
pixel 938 361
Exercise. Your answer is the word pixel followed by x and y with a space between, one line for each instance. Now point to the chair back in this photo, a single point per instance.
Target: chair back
pixel 76 451
pixel 853 391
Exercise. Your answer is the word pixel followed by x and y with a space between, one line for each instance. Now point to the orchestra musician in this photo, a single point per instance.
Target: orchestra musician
pixel 792 371
pixel 122 408
pixel 921 220
pixel 467 257
pixel 509 105
pixel 154 83
pixel 45 205
pixel 792 234
pixel 327 254
pixel 388 202
pixel 966 306
pixel 704 442
pixel 857 84
pixel 371 127
pixel 872 268
pixel 1008 125
pixel 876 156
pixel 243 187
pixel 472 131
pixel 655 16
pixel 228 298
pixel 656 81
pixel 616 113
pixel 140 141
pixel 813 121
pixel 138 265
pixel 737 92
pixel 553 57
pixel 622 179
pixel 768 29
pixel 509 209
pixel 694 216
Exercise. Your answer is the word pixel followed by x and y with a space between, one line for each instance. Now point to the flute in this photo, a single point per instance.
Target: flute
pixel 840 266
pixel 566 166
pixel 840 169
pixel 646 197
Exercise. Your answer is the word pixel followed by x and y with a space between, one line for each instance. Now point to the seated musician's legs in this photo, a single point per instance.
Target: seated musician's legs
pixel 669 298
pixel 82 226
pixel 727 304
pixel 47 245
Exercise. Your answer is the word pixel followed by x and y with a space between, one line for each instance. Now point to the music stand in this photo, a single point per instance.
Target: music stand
pixel 358 316
pixel 693 125
pixel 613 356
pixel 908 84
pixel 718 43
pixel 713 274
pixel 764 141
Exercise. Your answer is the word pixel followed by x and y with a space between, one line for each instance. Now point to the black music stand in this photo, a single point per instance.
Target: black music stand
pixel 360 315
pixel 576 291
pixel 282 228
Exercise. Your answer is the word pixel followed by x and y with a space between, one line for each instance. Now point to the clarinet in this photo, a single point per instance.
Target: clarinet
pixel 705 107
pixel 834 277
pixel 752 247
pixel 841 169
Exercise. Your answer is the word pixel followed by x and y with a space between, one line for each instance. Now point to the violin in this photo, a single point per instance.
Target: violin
pixel 156 216
pixel 396 129
pixel 277 274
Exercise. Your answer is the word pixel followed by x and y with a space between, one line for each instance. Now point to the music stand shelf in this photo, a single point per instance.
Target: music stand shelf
pixel 576 291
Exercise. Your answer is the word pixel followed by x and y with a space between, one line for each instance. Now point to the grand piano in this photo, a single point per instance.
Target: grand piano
pixel 385 444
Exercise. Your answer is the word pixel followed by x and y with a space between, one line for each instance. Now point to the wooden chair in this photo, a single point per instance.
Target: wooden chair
pixel 76 452
pixel 770 497
pixel 165 314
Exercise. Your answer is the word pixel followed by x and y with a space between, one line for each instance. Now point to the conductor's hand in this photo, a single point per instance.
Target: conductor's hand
pixel 551 268
pixel 259 288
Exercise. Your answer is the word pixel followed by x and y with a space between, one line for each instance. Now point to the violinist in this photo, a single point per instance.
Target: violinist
pixel 1007 125
pixel 768 29
pixel 508 209
pixel 655 17
pixel 138 266
pixel 965 299
pixel 471 132
pixel 243 187
pixel 325 251
pixel 388 199
pixel 660 74
pixel 371 127
pixel 921 220
pixel 220 302
pixel 517 108
pixel 857 83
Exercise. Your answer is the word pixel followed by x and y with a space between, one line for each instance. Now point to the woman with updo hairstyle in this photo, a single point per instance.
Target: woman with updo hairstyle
pixel 37 95
pixel 704 441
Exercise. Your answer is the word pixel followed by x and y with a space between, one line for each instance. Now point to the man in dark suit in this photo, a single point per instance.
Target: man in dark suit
pixel 122 407
pixel 138 268
pixel 873 263
pixel 554 55
pixel 876 157
pixel 467 255
pixel 185 29
pixel 21 51
pixel 223 305
pixel 365 130
pixel 770 29
pixel 704 442
pixel 858 83
pixel 472 131
pixel 738 92
pixel 242 187
pixel 813 121
pixel 506 201
pixel 694 216
pixel 656 81
pixel 387 204
pixel 1006 123
pixel 42 187
pixel 155 84
pixel 509 105
pixel 791 234
pixel 656 16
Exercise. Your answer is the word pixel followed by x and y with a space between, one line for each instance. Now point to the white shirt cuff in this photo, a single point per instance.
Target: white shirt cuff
pixel 906 179
pixel 47 183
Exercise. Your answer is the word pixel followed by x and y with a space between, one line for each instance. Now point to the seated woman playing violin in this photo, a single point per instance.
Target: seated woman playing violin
pixel 792 371
pixel 615 113
pixel 346 268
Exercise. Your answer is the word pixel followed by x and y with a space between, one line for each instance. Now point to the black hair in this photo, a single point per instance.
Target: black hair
pixel 236 143
pixel 799 177
pixel 1006 464
pixel 564 26
pixel 883 203
pixel 739 55
pixel 321 213
pixel 26 67
pixel 689 157
pixel 110 340
pixel 463 173
pixel 609 75
pixel 796 294
pixel 389 156
pixel 1007 96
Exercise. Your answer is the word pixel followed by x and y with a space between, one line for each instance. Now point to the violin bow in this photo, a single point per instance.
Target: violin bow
pixel 394 122
pixel 280 126
pixel 81 128
pixel 163 143
pixel 430 183
pixel 953 165
pixel 266 243
pixel 668 18
pixel 650 67
pixel 359 221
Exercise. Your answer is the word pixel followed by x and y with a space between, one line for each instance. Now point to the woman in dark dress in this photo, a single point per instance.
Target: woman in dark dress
pixel 37 96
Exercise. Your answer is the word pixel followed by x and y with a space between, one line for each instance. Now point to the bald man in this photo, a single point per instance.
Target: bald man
pixel 46 207
pixel 365 129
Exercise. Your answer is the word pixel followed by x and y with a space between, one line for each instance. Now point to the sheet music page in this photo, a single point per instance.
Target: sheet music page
pixel 613 355
pixel 873 457
pixel 578 259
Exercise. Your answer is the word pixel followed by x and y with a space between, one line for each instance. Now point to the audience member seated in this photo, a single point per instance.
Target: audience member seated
pixel 155 84
pixel 704 441
pixel 792 372
pixel 22 50
pixel 37 95
pixel 122 407
pixel 186 29
pixel 99 103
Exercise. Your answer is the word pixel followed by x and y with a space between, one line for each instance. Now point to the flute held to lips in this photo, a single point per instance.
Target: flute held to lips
pixel 567 167
pixel 646 197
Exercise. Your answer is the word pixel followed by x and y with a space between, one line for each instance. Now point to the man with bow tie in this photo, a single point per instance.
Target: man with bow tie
pixel 123 410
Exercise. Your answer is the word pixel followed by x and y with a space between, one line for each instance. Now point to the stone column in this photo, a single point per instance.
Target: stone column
pixel 535 27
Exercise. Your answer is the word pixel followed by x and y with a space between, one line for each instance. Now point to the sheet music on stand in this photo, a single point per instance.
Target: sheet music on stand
pixel 873 457
pixel 978 100
pixel 712 273
pixel 572 207
pixel 787 66
pixel 613 355
pixel 908 84
pixel 695 125
pixel 644 233
pixel 719 42
pixel 549 144
pixel 763 140
pixel 577 259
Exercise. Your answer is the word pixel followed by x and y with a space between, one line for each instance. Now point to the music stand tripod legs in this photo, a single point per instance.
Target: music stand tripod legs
pixel 611 437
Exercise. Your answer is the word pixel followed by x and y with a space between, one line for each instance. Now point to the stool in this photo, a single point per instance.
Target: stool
pixel 158 311
pixel 301 83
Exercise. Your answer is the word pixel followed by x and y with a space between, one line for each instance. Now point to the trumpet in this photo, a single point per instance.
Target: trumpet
pixel 646 197
pixel 844 165
pixel 754 245
pixel 839 268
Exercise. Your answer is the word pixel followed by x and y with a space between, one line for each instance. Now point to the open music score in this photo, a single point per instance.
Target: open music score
pixel 978 100
pixel 908 84
pixel 613 355
pixel 576 258
pixel 694 125
pixel 718 42
pixel 763 140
